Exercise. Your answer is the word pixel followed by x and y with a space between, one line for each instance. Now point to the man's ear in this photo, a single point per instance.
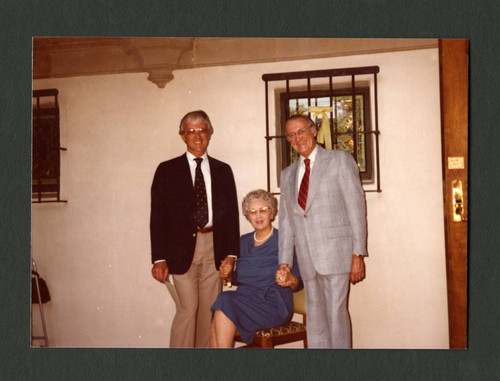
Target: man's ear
pixel 315 130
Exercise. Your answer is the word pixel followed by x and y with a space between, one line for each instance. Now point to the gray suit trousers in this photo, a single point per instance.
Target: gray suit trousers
pixel 328 321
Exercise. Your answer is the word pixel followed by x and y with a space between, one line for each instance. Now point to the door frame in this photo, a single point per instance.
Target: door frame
pixel 453 72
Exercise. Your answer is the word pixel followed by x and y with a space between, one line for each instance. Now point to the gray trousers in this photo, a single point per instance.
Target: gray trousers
pixel 328 321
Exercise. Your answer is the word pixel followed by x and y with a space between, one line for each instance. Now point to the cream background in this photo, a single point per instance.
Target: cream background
pixel 94 251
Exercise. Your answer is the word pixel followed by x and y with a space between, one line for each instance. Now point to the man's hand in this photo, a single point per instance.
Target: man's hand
pixel 160 271
pixel 226 268
pixel 357 270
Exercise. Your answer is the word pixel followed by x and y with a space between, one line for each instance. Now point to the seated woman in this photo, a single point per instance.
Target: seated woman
pixel 259 302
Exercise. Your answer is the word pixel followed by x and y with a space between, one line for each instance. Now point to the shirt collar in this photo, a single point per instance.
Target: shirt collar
pixel 311 157
pixel 191 157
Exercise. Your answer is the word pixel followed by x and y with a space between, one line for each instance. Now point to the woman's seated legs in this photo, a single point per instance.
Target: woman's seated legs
pixel 222 331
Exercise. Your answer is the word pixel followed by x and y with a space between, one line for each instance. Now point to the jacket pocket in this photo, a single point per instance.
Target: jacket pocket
pixel 339 231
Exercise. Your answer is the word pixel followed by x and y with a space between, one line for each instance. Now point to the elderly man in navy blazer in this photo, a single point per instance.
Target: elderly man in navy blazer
pixel 323 219
pixel 194 228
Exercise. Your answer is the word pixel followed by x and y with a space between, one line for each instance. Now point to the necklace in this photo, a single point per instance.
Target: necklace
pixel 263 239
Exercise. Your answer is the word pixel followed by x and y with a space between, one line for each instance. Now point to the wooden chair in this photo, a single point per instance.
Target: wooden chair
pixel 287 333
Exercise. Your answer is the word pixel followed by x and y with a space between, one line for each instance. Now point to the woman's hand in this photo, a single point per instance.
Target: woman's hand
pixel 285 278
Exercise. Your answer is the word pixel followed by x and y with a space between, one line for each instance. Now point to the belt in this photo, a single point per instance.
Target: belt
pixel 206 230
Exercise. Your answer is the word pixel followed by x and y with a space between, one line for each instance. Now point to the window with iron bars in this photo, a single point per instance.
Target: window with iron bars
pixel 45 178
pixel 341 122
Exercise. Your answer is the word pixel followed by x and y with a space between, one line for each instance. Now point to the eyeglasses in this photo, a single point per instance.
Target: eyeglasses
pixel 293 135
pixel 192 131
pixel 262 210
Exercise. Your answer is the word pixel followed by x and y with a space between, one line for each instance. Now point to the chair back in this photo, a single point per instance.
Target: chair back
pixel 299 302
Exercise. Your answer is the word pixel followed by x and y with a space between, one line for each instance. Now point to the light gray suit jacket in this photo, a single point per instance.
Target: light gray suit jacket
pixel 333 226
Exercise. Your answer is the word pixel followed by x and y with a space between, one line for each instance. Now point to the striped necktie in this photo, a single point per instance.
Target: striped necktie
pixel 304 185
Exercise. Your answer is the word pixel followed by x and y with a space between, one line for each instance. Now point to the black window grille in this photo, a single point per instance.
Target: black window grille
pixel 343 124
pixel 45 179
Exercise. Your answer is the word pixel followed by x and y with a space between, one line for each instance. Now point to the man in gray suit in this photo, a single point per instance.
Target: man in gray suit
pixel 323 218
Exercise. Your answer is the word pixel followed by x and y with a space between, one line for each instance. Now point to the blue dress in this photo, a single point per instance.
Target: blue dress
pixel 258 302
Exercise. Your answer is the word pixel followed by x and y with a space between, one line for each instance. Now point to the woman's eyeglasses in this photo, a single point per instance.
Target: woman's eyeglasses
pixel 262 210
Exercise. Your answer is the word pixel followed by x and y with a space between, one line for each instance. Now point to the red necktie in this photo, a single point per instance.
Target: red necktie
pixel 304 185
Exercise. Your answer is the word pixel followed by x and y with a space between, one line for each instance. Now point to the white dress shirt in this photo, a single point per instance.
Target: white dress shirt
pixel 302 166
pixel 205 169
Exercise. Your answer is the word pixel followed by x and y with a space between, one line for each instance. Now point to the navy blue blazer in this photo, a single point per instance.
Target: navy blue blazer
pixel 172 225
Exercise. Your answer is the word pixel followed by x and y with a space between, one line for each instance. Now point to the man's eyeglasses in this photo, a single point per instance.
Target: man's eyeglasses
pixel 192 131
pixel 262 210
pixel 293 135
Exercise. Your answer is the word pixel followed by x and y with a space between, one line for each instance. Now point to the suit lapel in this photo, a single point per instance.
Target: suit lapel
pixel 215 183
pixel 320 165
pixel 213 172
pixel 292 181
pixel 292 186
pixel 184 179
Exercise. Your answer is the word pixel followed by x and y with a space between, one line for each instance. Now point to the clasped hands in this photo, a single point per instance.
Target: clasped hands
pixel 226 270
pixel 285 278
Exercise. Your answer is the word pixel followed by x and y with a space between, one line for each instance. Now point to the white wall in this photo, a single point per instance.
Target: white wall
pixel 94 251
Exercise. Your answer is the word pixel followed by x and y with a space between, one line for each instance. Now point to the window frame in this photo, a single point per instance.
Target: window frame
pixel 46 158
pixel 327 74
pixel 284 147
